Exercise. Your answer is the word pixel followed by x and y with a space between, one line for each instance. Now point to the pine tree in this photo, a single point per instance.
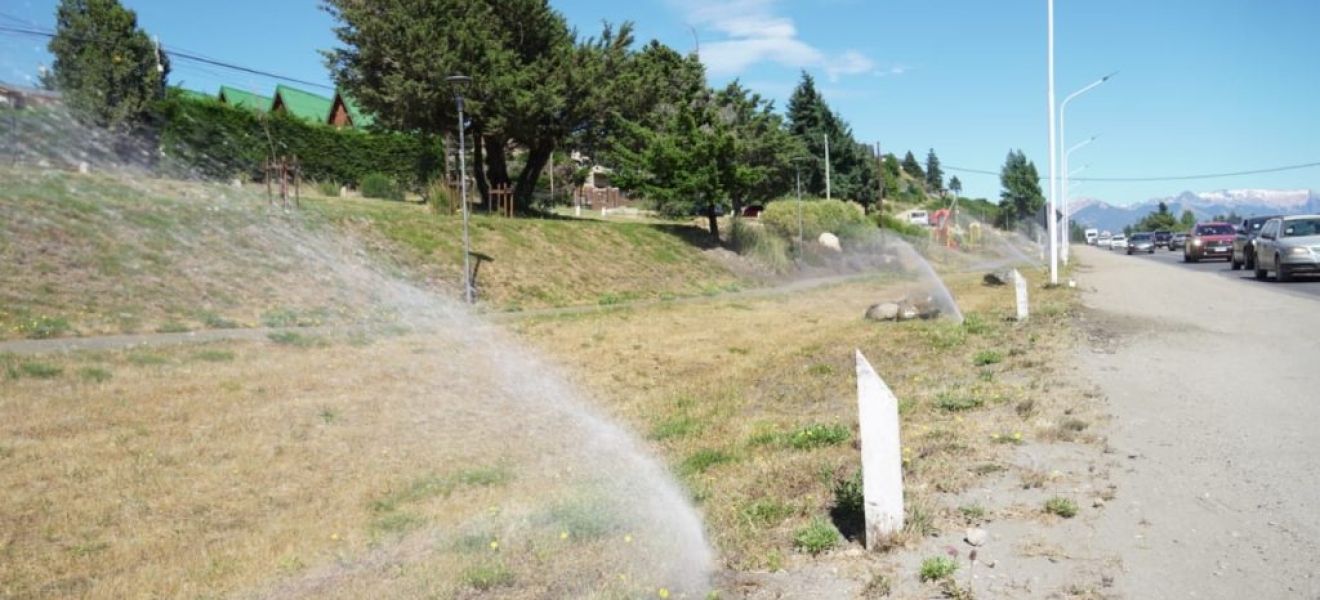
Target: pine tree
pixel 955 186
pixel 912 168
pixel 108 70
pixel 934 175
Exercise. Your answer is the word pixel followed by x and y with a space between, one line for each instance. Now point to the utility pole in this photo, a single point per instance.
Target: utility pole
pixel 880 197
pixel 827 166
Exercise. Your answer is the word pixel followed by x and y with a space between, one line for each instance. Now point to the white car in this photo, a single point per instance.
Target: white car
pixel 1118 242
pixel 1103 241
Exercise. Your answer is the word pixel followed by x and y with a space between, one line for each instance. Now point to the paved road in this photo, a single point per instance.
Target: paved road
pixel 1305 284
pixel 1215 390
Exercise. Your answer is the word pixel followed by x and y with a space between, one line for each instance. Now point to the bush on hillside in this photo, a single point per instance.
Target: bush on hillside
pixel 817 216
pixel 380 185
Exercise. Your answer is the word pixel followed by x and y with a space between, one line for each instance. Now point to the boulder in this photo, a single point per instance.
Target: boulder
pixel 831 241
pixel 998 278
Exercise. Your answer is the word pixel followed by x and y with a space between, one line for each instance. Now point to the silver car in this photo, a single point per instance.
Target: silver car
pixel 1288 245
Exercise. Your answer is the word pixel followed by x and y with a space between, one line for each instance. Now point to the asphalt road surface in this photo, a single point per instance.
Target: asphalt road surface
pixel 1213 379
pixel 1303 284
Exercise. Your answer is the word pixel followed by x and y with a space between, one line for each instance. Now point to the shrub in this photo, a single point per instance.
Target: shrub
pixel 380 185
pixel 987 357
pixel 953 402
pixel 328 188
pixel 757 242
pixel 818 436
pixel 441 198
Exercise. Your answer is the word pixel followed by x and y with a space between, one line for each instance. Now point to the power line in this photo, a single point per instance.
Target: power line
pixel 188 56
pixel 1160 178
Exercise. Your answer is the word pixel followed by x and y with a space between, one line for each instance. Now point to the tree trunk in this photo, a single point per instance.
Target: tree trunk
pixel 524 191
pixel 478 168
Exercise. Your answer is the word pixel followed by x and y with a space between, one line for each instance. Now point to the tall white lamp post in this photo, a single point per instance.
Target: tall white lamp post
pixel 1067 202
pixel 1063 109
pixel 1051 221
pixel 460 83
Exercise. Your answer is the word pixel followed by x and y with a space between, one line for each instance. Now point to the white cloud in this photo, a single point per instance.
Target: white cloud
pixel 752 32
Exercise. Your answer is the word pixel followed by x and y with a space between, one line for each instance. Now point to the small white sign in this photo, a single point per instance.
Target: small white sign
pixel 1020 283
pixel 882 455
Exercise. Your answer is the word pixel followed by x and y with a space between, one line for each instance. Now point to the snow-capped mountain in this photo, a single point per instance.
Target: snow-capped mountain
pixel 1089 212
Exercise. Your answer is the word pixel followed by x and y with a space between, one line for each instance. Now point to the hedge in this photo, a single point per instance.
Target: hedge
pixel 218 141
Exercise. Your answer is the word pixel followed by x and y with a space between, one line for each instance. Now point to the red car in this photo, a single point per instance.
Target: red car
pixel 1209 240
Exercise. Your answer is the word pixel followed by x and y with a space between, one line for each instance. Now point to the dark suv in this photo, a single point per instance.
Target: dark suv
pixel 1244 243
pixel 1162 238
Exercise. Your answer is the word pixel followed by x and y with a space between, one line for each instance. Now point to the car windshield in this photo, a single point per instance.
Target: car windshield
pixel 1139 237
pixel 1215 230
pixel 1301 227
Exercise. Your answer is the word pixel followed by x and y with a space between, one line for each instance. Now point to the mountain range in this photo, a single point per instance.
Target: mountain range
pixel 1089 212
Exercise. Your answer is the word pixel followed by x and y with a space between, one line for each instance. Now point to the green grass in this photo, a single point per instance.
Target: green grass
pixel 39 370
pixel 1061 506
pixel 937 568
pixel 703 460
pixel 956 401
pixel 95 374
pixel 820 536
pixel 987 357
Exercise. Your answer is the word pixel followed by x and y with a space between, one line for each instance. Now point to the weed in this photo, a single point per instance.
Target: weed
pixel 973 513
pixel 397 522
pixel 938 568
pixel 951 402
pixel 820 369
pixel 293 338
pixel 818 436
pixel 1025 409
pixel 172 327
pixel 40 370
pixel 986 469
pixel 817 537
pixel 676 428
pixel 488 476
pixel 584 520
pixel 215 355
pixel 1061 506
pixel 848 496
pixel 489 576
pixel 328 415
pixel 702 460
pixel 975 323
pixel 215 321
pixel 95 374
pixel 987 357
pixel 43 327
pixel 1007 438
pixel 766 512
pixel 920 522
pixel 878 586
pixel 1074 425
pixel 143 359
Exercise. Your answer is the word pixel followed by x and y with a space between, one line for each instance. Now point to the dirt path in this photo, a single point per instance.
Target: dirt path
pixel 1215 393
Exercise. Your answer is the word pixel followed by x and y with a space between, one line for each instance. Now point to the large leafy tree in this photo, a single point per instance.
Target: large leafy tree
pixel 853 173
pixel 934 174
pixel 1021 197
pixel 763 148
pixel 109 72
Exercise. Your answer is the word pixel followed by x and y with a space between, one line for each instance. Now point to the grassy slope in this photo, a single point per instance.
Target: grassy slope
pixel 97 255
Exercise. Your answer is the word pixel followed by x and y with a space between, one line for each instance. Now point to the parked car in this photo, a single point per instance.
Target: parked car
pixel 1177 241
pixel 1288 245
pixel 1244 247
pixel 1141 242
pixel 1209 240
pixel 1118 242
pixel 1162 238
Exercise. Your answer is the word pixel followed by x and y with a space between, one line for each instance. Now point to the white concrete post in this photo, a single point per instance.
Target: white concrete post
pixel 1020 283
pixel 882 455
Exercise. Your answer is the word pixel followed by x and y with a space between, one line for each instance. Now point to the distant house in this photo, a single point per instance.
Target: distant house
pixel 13 96
pixel 241 99
pixel 344 112
pixel 303 105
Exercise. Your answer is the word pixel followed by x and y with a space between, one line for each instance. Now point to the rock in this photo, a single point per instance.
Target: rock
pixel 998 278
pixel 903 309
pixel 976 536
pixel 884 311
pixel 1098 502
pixel 831 241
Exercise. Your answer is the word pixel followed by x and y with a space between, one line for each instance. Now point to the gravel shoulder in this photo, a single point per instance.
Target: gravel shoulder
pixel 1213 386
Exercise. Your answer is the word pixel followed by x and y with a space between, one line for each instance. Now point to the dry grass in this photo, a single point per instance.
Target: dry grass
pixel 373 465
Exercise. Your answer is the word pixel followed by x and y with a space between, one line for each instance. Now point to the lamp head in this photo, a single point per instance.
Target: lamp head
pixel 459 83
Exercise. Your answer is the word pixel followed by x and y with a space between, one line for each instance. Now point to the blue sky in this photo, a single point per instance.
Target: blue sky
pixel 1203 86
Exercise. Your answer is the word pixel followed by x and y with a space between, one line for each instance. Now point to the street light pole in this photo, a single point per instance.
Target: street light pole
pixel 1063 138
pixel 460 83
pixel 797 166
pixel 1067 203
pixel 1050 222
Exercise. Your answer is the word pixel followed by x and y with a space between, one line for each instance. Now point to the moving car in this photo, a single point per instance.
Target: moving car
pixel 1118 242
pixel 1162 238
pixel 1177 241
pixel 1091 236
pixel 1209 240
pixel 1244 247
pixel 1288 245
pixel 1104 240
pixel 1141 242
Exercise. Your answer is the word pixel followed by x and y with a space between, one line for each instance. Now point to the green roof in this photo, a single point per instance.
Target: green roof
pixel 304 105
pixel 241 99
pixel 361 120
pixel 194 94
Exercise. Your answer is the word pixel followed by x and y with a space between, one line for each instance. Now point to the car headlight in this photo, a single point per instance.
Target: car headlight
pixel 1299 251
pixel 1196 242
